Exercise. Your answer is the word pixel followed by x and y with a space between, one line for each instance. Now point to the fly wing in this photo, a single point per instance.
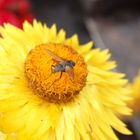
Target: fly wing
pixel 70 72
pixel 54 56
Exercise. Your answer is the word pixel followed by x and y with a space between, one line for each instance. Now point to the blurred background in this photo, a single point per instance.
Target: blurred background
pixel 112 24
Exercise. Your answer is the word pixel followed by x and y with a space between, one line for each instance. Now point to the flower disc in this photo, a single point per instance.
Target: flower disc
pixel 58 86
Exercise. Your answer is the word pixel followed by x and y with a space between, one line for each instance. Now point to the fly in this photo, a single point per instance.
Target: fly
pixel 63 65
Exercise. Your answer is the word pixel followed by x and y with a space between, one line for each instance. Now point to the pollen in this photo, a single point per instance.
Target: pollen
pixel 53 86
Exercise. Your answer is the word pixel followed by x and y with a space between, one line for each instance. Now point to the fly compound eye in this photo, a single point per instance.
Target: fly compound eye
pixel 73 63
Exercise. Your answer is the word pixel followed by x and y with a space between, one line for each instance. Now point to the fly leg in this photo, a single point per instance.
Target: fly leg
pixel 52 66
pixel 56 79
pixel 60 75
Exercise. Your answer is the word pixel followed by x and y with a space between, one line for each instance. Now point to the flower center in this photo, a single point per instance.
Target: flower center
pixel 55 72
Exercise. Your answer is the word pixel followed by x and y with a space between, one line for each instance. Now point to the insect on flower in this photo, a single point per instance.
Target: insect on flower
pixel 68 109
pixel 63 65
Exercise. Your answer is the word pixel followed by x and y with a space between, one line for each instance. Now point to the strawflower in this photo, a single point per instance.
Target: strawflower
pixel 135 88
pixel 80 102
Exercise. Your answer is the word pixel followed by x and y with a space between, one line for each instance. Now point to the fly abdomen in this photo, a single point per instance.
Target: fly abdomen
pixel 58 68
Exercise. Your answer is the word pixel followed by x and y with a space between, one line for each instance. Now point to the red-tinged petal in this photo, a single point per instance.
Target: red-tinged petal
pixel 3 3
pixel 6 16
pixel 6 3
pixel 23 6
pixel 29 17
pixel 19 6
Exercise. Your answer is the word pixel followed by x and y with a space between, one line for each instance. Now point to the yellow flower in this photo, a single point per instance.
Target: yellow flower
pixel 135 88
pixel 81 102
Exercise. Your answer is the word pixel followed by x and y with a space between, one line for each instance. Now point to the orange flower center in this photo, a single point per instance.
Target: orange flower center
pixel 55 72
